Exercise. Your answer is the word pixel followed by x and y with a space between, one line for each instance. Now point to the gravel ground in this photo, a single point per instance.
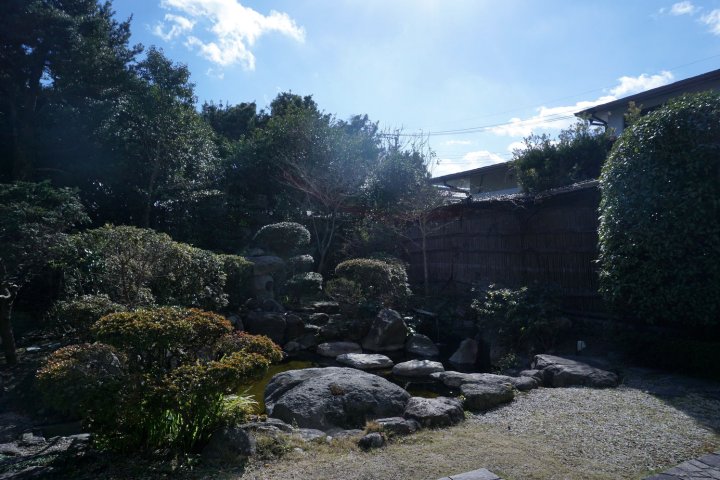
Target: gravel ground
pixel 648 424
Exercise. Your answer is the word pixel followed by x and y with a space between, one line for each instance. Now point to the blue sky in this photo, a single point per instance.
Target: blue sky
pixel 502 69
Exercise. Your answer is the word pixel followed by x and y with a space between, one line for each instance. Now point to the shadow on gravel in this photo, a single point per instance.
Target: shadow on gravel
pixel 696 397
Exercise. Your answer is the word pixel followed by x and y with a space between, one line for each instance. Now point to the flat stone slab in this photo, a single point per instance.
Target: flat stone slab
pixel 481 474
pixel 417 368
pixel 365 361
pixel 435 412
pixel 333 349
pixel 705 467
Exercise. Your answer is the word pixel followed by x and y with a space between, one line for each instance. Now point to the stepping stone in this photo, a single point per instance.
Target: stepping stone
pixel 365 361
pixel 484 396
pixel 333 349
pixel 481 474
pixel 417 368
pixel 435 412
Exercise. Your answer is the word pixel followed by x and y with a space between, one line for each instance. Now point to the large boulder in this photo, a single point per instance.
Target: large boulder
pixel 294 326
pixel 417 368
pixel 365 361
pixel 229 445
pixel 421 345
pixel 466 354
pixel 565 372
pixel 332 398
pixel 271 324
pixel 484 396
pixel 435 412
pixel 333 349
pixel 387 332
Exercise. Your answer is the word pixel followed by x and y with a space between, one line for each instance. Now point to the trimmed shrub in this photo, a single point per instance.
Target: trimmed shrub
pixel 300 264
pixel 140 267
pixel 660 216
pixel 78 379
pixel 524 320
pixel 284 239
pixel 172 381
pixel 304 285
pixel 238 283
pixel 378 280
pixel 162 337
pixel 83 311
pixel 578 154
pixel 344 291
pixel 237 342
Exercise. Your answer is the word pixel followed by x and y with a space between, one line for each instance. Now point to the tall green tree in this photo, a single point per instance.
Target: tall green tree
pixel 577 154
pixel 32 219
pixel 165 148
pixel 53 52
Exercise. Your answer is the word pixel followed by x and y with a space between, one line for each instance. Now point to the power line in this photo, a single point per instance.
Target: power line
pixel 548 118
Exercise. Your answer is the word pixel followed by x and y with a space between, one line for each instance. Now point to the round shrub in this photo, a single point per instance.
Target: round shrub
pixel 284 238
pixel 300 264
pixel 304 285
pixel 344 291
pixel 83 311
pixel 660 215
pixel 244 342
pixel 378 280
pixel 77 379
pixel 156 339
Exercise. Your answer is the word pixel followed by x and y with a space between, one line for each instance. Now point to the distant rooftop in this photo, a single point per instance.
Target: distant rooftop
pixel 673 88
pixel 467 173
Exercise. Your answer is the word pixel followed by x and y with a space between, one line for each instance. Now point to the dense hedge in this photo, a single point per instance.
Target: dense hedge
pixel 660 215
pixel 238 279
pixel 382 280
pixel 139 267
pixel 284 238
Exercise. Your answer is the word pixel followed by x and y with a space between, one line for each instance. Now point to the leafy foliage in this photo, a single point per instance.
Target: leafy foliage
pixel 238 282
pixel 79 379
pixel 660 215
pixel 345 291
pixel 284 238
pixel 83 311
pixel 170 378
pixel 32 219
pixel 140 267
pixel 578 154
pixel 383 281
pixel 304 285
pixel 524 320
pixel 157 338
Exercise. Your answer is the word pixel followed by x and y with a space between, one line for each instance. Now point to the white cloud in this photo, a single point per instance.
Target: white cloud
pixel 516 146
pixel 557 118
pixel 683 8
pixel 233 29
pixel 458 142
pixel 178 26
pixel 471 160
pixel 630 85
pixel 712 19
